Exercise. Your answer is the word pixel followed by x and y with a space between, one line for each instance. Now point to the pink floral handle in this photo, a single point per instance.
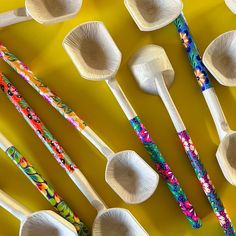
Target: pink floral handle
pixel 206 183
pixel 166 173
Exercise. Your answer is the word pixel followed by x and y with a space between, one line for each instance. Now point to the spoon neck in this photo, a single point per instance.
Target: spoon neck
pixel 13 207
pixel 82 183
pixel 169 104
pixel 97 142
pixel 121 98
pixel 217 113
pixel 4 143
pixel 14 17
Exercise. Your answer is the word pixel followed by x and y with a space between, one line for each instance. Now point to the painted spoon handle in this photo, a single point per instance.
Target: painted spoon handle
pixel 206 183
pixel 50 142
pixel 14 16
pixel 13 207
pixel 202 77
pixel 43 186
pixel 165 172
pixel 54 100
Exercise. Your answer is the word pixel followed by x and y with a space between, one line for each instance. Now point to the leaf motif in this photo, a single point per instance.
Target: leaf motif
pixel 30 170
pixel 51 192
pixel 47 134
pixel 37 178
pixel 15 155
pixel 61 206
pixel 23 104
pixel 52 201
pixel 10 56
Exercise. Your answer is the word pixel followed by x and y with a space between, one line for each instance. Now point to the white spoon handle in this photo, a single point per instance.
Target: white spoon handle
pixel 97 142
pixel 13 207
pixel 169 104
pixel 121 98
pixel 82 183
pixel 4 143
pixel 13 17
pixel 217 113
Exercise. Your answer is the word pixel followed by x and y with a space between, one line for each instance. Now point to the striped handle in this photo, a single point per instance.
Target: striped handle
pixel 46 190
pixel 202 77
pixel 166 173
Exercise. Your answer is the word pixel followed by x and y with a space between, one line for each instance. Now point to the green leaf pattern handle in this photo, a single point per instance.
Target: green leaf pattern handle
pixel 47 190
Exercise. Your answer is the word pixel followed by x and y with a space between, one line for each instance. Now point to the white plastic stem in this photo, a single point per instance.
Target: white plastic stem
pixel 82 183
pixel 14 16
pixel 169 104
pixel 13 207
pixel 4 143
pixel 97 142
pixel 217 113
pixel 121 98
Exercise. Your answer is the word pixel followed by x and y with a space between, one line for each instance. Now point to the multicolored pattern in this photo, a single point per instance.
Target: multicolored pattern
pixel 165 172
pixel 206 183
pixel 36 124
pixel 203 80
pixel 47 191
pixel 199 68
pixel 42 88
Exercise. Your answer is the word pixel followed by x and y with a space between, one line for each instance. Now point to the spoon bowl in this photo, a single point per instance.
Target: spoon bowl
pixel 97 57
pixel 42 11
pixel 131 177
pixel 153 14
pixel 52 11
pixel 226 157
pixel 220 58
pixel 231 4
pixel 93 51
pixel 46 223
pixel 157 61
pixel 116 222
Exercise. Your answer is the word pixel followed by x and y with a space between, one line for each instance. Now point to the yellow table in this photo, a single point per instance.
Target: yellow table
pixel 40 47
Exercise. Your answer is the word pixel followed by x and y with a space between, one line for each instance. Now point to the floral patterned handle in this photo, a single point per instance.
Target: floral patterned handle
pixel 202 77
pixel 42 88
pixel 37 125
pixel 46 190
pixel 195 59
pixel 165 172
pixel 206 183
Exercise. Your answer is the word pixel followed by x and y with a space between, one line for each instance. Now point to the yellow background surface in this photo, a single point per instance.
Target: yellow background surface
pixel 40 47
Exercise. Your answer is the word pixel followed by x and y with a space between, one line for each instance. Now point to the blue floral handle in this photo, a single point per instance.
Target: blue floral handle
pixel 195 59
pixel 202 77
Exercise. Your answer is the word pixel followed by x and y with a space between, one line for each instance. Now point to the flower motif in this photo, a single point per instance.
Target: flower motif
pixel 206 187
pixel 221 218
pixel 42 187
pixel 200 77
pixel 23 162
pixel 185 39
pixel 57 198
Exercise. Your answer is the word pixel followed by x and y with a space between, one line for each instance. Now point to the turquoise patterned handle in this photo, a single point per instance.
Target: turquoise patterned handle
pixel 202 77
pixel 166 173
